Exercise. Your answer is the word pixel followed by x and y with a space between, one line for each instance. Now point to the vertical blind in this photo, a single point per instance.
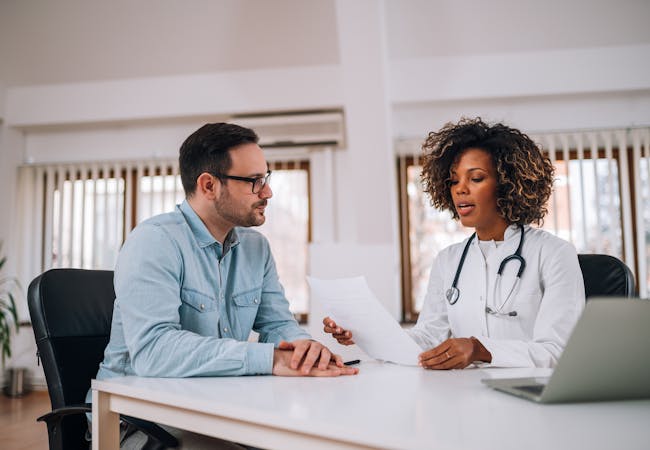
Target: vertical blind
pixel 641 158
pixel 81 213
pixel 608 189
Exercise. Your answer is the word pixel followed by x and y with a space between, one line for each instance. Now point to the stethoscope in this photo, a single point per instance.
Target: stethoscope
pixel 453 293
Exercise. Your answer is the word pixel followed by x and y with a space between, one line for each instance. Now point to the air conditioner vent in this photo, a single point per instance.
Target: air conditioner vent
pixel 296 129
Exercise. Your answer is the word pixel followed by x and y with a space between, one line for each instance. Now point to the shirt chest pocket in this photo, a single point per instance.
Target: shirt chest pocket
pixel 245 309
pixel 198 301
pixel 529 299
pixel 527 304
pixel 199 312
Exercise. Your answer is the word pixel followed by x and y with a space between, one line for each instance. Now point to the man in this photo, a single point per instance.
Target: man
pixel 191 284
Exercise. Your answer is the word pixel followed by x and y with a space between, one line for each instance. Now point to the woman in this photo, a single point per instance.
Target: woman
pixel 510 294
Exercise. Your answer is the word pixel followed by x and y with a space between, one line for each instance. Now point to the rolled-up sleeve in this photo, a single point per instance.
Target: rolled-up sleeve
pixel 433 326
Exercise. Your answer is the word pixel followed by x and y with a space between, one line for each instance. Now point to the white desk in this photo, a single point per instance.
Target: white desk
pixel 385 406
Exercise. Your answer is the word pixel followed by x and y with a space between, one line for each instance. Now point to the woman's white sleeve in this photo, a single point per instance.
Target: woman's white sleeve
pixel 563 300
pixel 432 326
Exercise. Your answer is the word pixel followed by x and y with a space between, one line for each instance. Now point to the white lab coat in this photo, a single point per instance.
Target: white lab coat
pixel 548 300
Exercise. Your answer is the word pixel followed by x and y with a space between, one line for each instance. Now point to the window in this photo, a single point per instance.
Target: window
pixel 83 213
pixel 425 231
pixel 287 228
pixel 598 190
pixel 158 192
pixel 87 206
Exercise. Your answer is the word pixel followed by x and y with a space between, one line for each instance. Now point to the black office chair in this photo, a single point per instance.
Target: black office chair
pixel 606 276
pixel 71 312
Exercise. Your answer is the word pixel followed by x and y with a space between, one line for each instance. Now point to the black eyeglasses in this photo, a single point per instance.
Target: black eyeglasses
pixel 258 182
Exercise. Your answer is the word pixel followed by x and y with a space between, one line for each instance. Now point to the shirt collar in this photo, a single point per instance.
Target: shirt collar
pixel 201 232
pixel 512 231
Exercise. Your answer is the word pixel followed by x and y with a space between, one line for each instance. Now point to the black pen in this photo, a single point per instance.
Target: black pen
pixel 352 363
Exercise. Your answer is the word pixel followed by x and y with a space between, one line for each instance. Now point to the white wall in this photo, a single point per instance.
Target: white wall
pixel 71 41
pixel 534 113
pixel 85 80
pixel 537 65
pixel 438 28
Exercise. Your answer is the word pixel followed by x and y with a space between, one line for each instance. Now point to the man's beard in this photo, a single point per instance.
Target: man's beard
pixel 240 218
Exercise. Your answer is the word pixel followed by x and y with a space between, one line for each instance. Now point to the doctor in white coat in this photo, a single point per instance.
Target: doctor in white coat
pixel 510 294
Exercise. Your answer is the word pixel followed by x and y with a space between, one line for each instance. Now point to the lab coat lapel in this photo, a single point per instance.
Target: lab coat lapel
pixel 465 317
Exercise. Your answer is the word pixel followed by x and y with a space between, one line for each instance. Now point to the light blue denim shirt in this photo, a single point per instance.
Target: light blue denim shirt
pixel 186 304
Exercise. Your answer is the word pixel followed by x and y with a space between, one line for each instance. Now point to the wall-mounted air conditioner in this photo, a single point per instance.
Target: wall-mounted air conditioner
pixel 304 129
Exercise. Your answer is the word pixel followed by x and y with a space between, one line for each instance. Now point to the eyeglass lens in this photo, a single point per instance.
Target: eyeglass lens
pixel 260 183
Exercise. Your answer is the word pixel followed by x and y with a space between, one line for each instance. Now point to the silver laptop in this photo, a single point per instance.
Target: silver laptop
pixel 607 357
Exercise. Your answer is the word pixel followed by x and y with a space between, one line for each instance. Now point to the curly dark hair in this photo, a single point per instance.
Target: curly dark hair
pixel 524 174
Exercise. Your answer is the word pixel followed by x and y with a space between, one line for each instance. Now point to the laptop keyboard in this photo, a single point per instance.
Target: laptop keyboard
pixel 533 388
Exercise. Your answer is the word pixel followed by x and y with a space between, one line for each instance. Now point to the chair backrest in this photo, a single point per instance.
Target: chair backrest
pixel 606 276
pixel 71 312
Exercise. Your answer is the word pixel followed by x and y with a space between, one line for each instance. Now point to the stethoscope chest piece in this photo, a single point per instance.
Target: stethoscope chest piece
pixel 452 295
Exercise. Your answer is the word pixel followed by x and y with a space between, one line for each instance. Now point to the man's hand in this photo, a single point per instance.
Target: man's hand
pixel 343 336
pixel 455 353
pixel 316 360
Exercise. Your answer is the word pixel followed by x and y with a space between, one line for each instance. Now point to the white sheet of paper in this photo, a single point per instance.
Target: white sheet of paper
pixel 353 306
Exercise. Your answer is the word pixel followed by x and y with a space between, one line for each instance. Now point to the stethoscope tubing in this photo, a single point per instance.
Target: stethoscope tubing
pixel 453 293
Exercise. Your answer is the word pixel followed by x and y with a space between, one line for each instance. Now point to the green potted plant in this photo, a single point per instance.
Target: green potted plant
pixel 8 312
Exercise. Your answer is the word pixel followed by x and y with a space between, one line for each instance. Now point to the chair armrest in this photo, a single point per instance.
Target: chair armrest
pixel 54 419
pixel 59 413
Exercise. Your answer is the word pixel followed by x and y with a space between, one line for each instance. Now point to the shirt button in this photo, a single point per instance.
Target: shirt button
pixel 225 330
pixel 256 301
pixel 202 306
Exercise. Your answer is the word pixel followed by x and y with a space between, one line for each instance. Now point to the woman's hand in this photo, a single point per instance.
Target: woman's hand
pixel 455 353
pixel 343 336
